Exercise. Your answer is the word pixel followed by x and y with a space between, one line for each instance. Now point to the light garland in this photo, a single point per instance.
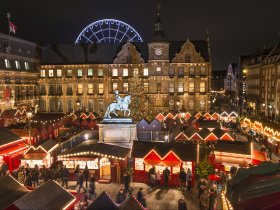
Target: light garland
pixel 62 157
pixel 226 204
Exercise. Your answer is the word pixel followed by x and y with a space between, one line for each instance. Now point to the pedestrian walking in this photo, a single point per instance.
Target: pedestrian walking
pixel 126 181
pixel 81 182
pixel 140 197
pixel 158 178
pixel 212 199
pixel 21 175
pixel 76 173
pixel 183 178
pixel 166 175
pixel 120 197
pixel 189 179
pixel 35 176
pixel 201 186
pixel 91 190
pixel 203 200
pixel 64 176
pixel 86 175
pixel 152 172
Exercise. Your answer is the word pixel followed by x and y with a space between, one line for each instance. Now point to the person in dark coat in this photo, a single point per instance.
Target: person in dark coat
pixel 86 175
pixel 76 173
pixel 212 199
pixel 182 205
pixel 126 181
pixel 35 176
pixel 166 175
pixel 140 197
pixel 91 191
pixel 120 197
pixel 201 186
pixel 81 182
pixel 64 176
pixel 28 180
pixel 183 178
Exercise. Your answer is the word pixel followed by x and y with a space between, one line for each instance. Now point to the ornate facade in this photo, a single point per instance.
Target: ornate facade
pixel 19 60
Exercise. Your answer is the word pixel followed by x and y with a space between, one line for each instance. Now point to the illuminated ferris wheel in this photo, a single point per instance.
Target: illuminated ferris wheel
pixel 108 31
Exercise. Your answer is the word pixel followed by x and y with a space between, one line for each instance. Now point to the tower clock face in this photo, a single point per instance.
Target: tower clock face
pixel 158 51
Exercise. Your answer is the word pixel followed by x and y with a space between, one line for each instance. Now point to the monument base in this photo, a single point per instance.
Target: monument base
pixel 117 131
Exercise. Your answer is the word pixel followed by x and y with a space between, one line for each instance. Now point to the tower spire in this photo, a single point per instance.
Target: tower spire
pixel 158 34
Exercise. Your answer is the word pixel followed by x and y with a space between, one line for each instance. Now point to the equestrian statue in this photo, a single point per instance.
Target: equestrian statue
pixel 121 104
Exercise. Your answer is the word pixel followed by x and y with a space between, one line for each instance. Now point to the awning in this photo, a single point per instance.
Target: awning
pixel 258 157
pixel 34 156
pixel 13 149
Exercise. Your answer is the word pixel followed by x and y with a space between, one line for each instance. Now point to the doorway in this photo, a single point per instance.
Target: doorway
pixel 105 168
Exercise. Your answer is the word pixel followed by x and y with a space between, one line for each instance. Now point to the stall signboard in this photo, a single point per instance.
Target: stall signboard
pixel 104 162
pixel 93 164
pixel 81 163
pixel 69 163
pixel 139 164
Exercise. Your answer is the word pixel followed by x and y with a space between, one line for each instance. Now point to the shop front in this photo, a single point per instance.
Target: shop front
pixel 105 162
pixel 174 156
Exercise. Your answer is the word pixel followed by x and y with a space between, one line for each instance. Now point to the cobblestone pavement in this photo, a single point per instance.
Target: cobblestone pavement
pixel 156 199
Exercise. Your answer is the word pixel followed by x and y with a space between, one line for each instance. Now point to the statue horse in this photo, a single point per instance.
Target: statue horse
pixel 121 105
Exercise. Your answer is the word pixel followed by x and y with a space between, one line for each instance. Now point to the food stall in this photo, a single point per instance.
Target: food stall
pixel 104 161
pixel 174 156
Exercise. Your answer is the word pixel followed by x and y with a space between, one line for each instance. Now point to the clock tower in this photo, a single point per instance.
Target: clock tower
pixel 158 46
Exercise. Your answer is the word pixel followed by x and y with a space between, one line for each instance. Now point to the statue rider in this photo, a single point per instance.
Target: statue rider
pixel 119 100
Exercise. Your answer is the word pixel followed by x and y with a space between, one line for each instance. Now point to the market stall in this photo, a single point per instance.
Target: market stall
pixel 41 155
pixel 104 161
pixel 174 156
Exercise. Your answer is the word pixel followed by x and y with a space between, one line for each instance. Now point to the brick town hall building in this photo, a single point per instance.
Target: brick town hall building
pixel 176 75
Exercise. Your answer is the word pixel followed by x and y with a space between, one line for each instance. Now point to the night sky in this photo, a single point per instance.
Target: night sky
pixel 236 27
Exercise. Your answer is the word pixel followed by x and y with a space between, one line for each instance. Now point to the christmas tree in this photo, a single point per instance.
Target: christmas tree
pixel 138 105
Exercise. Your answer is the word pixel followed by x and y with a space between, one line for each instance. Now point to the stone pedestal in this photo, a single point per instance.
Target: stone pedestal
pixel 117 131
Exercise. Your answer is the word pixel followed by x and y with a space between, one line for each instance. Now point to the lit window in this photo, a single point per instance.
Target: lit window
pixel 135 71
pixel 202 87
pixel 7 64
pixel 115 86
pixel 100 72
pixel 114 72
pixel 180 87
pixel 100 88
pixel 50 73
pixel 125 72
pixel 17 64
pixel 69 73
pixel 181 71
pixel 90 72
pixel 158 69
pixel 171 71
pixel 80 88
pixel 191 87
pixel 26 65
pixel 146 87
pixel 125 87
pixel 90 105
pixel 191 70
pixel 146 72
pixel 90 88
pixel 171 87
pixel 202 70
pixel 59 73
pixel 42 73
pixel 80 73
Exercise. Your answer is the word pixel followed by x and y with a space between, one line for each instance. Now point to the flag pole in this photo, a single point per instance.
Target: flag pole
pixel 9 31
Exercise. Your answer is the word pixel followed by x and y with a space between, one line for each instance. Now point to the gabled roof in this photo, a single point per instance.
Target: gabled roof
pixel 34 154
pixel 48 145
pixel 105 53
pixel 155 125
pixel 143 125
pixel 8 136
pixel 204 132
pixel 11 190
pixel 91 148
pixel 184 150
pixel 9 113
pixel 190 132
pixel 218 132
pixel 238 147
pixel 131 203
pixel 103 202
pixel 50 196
